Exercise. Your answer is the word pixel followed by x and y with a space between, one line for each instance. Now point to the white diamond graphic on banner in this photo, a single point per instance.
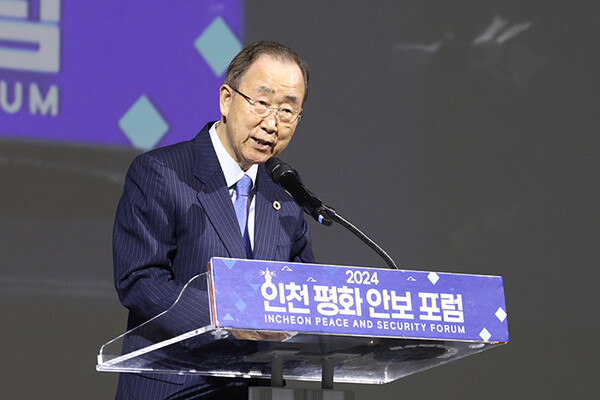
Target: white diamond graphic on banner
pixel 433 277
pixel 241 305
pixel 485 335
pixel 501 314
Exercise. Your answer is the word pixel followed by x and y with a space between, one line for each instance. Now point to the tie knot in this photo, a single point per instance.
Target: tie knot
pixel 242 187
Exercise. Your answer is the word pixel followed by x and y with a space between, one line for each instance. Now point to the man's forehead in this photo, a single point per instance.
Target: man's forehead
pixel 268 65
pixel 267 75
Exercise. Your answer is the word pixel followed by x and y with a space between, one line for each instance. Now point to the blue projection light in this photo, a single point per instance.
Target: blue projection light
pixel 143 124
pixel 218 45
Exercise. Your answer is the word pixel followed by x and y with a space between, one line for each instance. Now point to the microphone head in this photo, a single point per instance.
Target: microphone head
pixel 277 168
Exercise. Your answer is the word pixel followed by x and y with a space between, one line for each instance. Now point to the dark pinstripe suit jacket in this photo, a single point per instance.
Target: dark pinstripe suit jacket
pixel 174 215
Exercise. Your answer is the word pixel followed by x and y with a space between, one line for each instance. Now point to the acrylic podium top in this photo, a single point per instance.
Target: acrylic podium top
pixel 376 325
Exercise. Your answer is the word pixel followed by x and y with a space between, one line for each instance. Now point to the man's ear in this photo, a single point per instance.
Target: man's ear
pixel 225 98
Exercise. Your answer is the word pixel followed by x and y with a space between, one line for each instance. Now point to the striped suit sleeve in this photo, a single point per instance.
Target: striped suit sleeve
pixel 144 242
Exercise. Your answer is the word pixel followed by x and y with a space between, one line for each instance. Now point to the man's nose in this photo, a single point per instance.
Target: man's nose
pixel 269 123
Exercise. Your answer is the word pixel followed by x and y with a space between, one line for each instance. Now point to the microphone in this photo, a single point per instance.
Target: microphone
pixel 284 175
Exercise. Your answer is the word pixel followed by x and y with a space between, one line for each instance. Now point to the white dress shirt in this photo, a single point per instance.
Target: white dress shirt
pixel 233 173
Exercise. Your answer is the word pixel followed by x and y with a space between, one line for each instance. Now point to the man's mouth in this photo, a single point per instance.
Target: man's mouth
pixel 262 143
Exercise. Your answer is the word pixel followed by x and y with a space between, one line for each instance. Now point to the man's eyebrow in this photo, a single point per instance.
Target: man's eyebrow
pixel 291 99
pixel 265 89
pixel 287 98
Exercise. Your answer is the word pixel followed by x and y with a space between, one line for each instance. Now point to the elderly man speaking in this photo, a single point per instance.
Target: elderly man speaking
pixel 211 197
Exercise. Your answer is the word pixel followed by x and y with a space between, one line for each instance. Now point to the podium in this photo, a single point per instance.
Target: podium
pixel 307 322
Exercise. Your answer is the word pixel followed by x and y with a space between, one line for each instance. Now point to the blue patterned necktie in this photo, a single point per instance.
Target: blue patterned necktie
pixel 242 188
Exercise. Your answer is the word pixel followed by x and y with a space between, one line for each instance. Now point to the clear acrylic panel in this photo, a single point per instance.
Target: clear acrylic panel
pixel 183 340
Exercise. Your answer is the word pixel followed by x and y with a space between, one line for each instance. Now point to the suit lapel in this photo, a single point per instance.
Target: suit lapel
pixel 214 195
pixel 266 222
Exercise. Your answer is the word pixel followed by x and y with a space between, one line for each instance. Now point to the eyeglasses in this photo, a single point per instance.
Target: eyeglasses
pixel 264 109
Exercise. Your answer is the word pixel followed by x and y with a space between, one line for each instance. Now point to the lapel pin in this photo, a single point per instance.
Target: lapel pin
pixel 276 205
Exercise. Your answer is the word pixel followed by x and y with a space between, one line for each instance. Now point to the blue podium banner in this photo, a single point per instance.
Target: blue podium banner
pixel 340 300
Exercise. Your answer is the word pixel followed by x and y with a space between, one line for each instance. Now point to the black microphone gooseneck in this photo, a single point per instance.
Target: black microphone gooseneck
pixel 284 175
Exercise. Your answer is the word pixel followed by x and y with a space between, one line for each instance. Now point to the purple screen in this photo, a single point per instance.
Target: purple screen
pixel 127 73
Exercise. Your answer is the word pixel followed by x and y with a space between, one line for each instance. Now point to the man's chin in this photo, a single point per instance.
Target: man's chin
pixel 250 161
pixel 259 158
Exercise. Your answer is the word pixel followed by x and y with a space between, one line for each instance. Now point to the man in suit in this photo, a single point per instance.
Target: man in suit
pixel 177 209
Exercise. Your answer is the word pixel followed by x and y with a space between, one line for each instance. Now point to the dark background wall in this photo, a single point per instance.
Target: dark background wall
pixel 456 151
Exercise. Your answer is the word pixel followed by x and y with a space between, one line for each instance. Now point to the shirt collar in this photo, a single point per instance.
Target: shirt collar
pixel 231 169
